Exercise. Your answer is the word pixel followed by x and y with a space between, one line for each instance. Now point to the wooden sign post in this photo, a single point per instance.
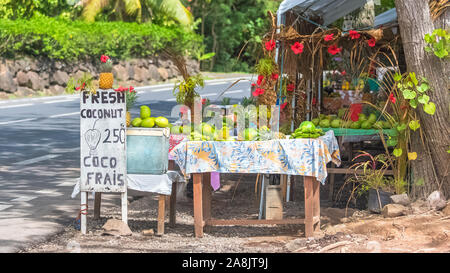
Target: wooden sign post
pixel 103 165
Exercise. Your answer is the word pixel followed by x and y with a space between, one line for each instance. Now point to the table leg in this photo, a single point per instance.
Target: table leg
pixel 207 196
pixel 161 214
pixel 198 205
pixel 97 205
pixel 316 198
pixel 309 205
pixel 173 199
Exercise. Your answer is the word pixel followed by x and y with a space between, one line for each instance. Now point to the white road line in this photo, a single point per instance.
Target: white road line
pixel 65 115
pixel 66 184
pixel 17 105
pixel 216 83
pixel 15 121
pixel 36 159
pixel 3 207
pixel 24 198
pixel 63 150
pixel 49 192
pixel 161 90
pixel 234 91
pixel 59 101
pixel 209 94
pixel 172 99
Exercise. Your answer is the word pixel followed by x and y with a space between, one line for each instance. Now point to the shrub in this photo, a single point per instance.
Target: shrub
pixel 61 39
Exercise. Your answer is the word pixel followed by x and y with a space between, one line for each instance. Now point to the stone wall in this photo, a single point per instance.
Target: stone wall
pixel 27 76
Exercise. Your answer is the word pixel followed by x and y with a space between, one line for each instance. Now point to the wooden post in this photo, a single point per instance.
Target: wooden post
pixel 331 187
pixel 97 205
pixel 198 205
pixel 284 182
pixel 309 205
pixel 124 202
pixel 316 197
pixel 84 205
pixel 207 192
pixel 161 214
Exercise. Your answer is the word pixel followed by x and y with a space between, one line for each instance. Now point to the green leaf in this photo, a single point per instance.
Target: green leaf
pixel 429 108
pixel 207 56
pixel 441 53
pixel 409 94
pixel 412 75
pixel 397 152
pixel 414 125
pixel 413 103
pixel 392 142
pixel 424 99
pixel 401 127
pixel 397 77
pixel 423 87
pixel 428 49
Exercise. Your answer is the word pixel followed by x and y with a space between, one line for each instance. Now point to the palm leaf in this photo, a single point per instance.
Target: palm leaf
pixel 92 8
pixel 178 10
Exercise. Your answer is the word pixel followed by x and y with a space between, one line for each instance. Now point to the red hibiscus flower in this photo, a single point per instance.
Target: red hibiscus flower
pixel 104 58
pixel 333 50
pixel 354 34
pixel 260 79
pixel 314 101
pixel 132 89
pixel 329 37
pixel 120 89
pixel 258 91
pixel 297 48
pixel 270 45
pixel 283 105
pixel 392 98
pixel 203 101
pixel 274 76
pixel 343 73
pixel 290 87
pixel 371 42
pixel 253 84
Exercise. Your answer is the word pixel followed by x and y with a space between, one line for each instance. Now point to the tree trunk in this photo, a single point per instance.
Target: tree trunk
pixel 432 164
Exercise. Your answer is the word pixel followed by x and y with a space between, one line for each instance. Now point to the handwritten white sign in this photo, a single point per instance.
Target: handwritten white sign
pixel 103 141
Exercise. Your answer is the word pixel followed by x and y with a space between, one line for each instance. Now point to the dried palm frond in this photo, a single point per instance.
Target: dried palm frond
pixel 438 7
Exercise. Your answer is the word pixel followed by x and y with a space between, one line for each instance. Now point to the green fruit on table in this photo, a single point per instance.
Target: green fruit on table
pixel 176 130
pixel 316 121
pixel 148 123
pixel 307 127
pixel 366 125
pixel 378 125
pixel 162 122
pixel 362 117
pixel 250 134
pixel 145 112
pixel 322 116
pixel 372 118
pixel 207 129
pixel 341 112
pixel 325 123
pixel 355 125
pixel 136 122
pixel 336 123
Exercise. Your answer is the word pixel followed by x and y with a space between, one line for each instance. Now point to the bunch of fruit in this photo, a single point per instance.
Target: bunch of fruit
pixel 145 120
pixel 307 129
pixel 363 121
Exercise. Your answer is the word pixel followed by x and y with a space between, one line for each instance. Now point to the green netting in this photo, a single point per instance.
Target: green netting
pixel 359 132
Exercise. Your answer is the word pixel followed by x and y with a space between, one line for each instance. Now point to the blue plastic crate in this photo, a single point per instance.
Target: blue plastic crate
pixel 147 150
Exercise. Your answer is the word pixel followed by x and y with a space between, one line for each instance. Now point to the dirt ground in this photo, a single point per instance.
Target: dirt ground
pixel 350 231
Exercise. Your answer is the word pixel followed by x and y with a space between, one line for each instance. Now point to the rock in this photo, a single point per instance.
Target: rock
pixel 446 210
pixel 419 206
pixel 164 63
pixel 154 73
pixel 4 96
pixel 60 77
pixel 436 200
pixel 117 228
pixel 23 91
pixel 120 72
pixel 295 244
pixel 163 73
pixel 140 74
pixel 148 232
pixel 34 81
pixel 7 82
pixel 401 199
pixel 393 210
pixel 56 90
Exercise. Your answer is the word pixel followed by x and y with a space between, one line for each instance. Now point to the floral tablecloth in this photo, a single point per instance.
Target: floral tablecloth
pixel 306 157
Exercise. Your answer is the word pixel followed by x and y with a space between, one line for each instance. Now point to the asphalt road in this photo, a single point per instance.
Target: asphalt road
pixel 40 158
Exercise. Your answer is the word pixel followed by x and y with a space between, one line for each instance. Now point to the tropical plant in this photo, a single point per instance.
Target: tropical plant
pixel 186 89
pixel 157 11
pixel 438 43
pixel 85 83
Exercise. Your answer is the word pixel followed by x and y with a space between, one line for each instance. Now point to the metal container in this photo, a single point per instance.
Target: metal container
pixel 147 150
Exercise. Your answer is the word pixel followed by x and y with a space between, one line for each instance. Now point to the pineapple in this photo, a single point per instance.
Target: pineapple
pixel 128 119
pixel 106 77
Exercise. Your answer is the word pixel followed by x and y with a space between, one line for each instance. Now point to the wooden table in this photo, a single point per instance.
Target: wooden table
pixel 202 208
